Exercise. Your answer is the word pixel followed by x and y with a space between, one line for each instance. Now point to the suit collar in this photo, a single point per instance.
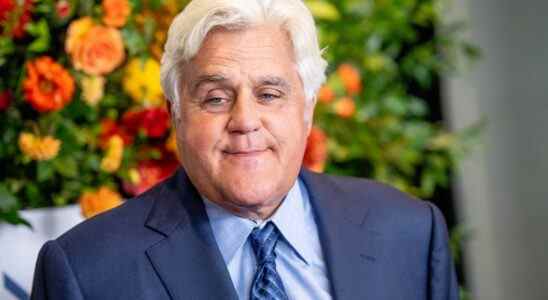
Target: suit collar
pixel 168 212
pixel 293 218
pixel 187 259
pixel 349 240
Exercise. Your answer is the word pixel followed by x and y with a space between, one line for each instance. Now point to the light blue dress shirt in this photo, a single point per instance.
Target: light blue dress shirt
pixel 300 261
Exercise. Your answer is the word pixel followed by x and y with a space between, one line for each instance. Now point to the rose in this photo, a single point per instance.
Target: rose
pixel 95 49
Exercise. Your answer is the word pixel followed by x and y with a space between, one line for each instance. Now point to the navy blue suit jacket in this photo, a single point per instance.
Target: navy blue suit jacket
pixel 378 243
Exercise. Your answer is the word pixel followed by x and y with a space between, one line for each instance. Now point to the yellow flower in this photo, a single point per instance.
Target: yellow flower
pixel 93 88
pixel 134 176
pixel 113 158
pixel 93 203
pixel 142 81
pixel 39 148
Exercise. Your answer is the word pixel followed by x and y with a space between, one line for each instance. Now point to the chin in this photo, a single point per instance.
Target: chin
pixel 251 192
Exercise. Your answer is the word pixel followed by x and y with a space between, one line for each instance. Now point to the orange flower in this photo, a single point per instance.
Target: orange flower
pixel 48 86
pixel 93 203
pixel 315 154
pixel 95 49
pixel 171 144
pixel 350 76
pixel 326 94
pixel 39 148
pixel 116 12
pixel 345 107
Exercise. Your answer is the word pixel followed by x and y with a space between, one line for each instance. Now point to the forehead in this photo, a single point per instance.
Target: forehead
pixel 257 51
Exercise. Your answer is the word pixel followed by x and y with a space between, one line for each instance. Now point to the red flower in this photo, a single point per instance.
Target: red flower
pixel 316 150
pixel 110 128
pixel 6 6
pixel 63 9
pixel 5 100
pixel 153 121
pixel 156 122
pixel 20 16
pixel 151 172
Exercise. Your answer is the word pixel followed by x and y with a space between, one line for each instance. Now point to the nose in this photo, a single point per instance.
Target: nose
pixel 244 115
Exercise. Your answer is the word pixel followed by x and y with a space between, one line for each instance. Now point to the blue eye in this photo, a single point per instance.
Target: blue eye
pixel 216 101
pixel 268 97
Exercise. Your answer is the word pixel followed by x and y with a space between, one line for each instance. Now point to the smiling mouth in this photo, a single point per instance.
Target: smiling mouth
pixel 244 153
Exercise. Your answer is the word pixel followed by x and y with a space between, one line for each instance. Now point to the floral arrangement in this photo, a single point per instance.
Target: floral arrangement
pixel 83 117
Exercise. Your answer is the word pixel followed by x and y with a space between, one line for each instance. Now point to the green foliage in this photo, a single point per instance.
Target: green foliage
pixel 400 49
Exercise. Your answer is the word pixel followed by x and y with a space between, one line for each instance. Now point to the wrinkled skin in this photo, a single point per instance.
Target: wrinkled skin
pixel 243 122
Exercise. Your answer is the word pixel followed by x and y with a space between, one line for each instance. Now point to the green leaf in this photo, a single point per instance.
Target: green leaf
pixel 40 31
pixel 44 171
pixel 134 40
pixel 13 217
pixel 155 4
pixel 149 29
pixel 7 200
pixel 34 195
pixel 66 166
pixel 6 48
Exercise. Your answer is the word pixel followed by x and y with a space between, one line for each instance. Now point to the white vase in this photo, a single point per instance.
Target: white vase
pixel 19 245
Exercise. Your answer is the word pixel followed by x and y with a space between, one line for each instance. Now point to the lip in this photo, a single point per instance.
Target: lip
pixel 244 153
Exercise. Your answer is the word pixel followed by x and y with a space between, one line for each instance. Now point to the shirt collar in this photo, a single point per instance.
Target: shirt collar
pixel 231 231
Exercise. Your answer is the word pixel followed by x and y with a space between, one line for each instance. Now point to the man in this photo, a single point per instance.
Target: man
pixel 241 219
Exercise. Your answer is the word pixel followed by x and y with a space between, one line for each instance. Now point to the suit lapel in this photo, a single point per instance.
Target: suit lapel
pixel 351 246
pixel 187 258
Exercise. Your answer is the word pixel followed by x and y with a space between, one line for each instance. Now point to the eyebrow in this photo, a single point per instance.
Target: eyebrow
pixel 220 78
pixel 274 81
pixel 207 78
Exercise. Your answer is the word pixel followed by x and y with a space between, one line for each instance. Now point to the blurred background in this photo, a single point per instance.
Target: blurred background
pixel 445 100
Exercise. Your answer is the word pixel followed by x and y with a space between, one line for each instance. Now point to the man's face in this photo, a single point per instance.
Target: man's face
pixel 242 131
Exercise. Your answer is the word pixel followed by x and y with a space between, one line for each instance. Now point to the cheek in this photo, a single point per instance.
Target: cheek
pixel 200 133
pixel 290 133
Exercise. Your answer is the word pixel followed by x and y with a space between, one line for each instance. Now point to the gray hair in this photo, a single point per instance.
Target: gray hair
pixel 190 27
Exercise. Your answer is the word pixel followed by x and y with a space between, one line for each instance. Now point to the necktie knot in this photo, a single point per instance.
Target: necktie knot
pixel 263 242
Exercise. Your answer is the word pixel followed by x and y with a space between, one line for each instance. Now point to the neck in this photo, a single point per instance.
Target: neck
pixel 257 213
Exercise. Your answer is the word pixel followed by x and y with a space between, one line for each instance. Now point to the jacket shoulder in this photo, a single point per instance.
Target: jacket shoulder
pixel 113 229
pixel 387 207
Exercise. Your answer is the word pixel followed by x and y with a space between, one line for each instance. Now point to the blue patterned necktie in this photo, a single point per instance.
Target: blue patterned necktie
pixel 267 284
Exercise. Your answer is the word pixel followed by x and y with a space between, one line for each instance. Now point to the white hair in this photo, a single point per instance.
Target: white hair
pixel 190 27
